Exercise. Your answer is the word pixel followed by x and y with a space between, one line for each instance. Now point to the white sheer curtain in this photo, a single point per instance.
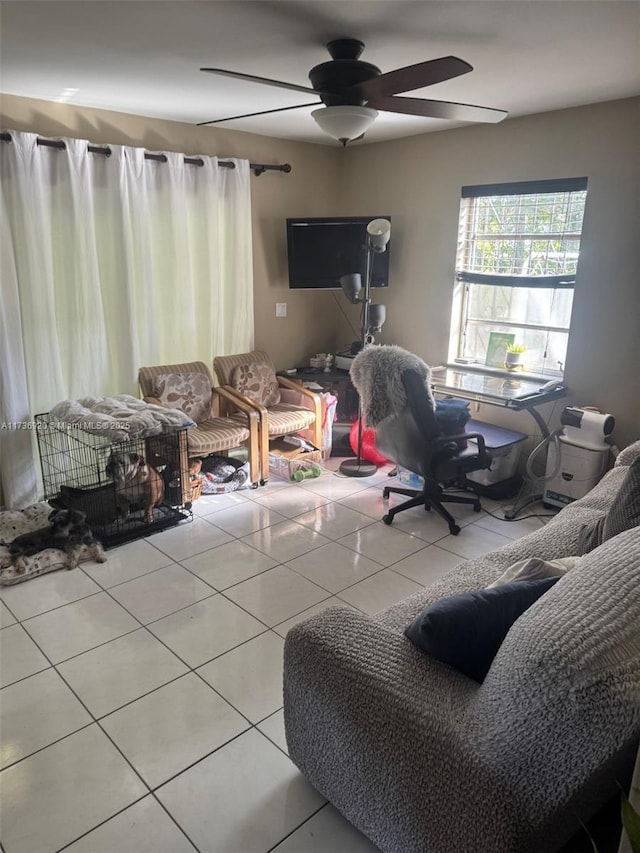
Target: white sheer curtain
pixel 108 264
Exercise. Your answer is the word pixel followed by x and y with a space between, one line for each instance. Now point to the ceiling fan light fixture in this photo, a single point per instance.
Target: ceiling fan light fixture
pixel 345 122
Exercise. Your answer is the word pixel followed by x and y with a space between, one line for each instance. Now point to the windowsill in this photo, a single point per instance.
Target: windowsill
pixel 507 374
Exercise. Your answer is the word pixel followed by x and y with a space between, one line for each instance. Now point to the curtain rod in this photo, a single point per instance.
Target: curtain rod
pixel 258 168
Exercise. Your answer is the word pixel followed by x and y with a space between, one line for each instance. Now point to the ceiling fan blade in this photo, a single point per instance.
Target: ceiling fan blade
pixel 438 109
pixel 266 80
pixel 413 77
pixel 261 113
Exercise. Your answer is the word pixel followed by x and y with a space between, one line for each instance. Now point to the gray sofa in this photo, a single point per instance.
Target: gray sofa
pixel 422 759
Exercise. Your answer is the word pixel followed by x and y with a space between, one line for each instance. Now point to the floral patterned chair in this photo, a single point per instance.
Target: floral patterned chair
pixel 283 405
pixel 188 387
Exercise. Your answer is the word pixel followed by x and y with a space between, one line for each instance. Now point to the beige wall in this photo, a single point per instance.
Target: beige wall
pixel 417 181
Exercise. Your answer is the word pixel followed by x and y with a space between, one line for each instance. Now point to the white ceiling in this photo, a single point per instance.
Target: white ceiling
pixel 144 57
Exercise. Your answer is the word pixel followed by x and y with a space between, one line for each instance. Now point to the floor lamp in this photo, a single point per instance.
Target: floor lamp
pixel 372 318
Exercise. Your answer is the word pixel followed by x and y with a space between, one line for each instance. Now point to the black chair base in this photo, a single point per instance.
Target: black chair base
pixel 428 498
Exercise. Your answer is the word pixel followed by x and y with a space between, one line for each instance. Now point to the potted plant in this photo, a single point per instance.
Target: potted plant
pixel 514 357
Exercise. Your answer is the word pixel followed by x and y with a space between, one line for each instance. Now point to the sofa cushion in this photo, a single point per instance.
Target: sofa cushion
pixel 466 630
pixel 189 392
pixel 257 380
pixel 623 514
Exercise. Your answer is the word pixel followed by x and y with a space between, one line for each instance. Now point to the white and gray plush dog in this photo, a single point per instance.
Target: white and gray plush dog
pixel 136 482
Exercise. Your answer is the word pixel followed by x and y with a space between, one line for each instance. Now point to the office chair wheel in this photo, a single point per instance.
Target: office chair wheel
pixel 454 529
pixel 387 519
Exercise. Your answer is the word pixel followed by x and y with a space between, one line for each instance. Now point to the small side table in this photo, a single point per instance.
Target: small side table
pixel 336 382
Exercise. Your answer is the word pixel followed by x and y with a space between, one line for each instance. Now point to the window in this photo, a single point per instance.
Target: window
pixel 518 248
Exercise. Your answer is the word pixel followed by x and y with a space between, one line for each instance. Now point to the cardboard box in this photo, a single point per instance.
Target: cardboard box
pixel 285 459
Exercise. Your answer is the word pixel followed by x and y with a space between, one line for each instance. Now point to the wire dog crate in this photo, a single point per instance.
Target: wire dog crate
pixel 127 489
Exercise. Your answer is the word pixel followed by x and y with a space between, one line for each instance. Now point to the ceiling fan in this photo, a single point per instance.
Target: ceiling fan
pixel 353 91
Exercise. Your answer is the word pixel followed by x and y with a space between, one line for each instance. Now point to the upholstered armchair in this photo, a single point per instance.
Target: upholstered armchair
pixel 284 406
pixel 188 387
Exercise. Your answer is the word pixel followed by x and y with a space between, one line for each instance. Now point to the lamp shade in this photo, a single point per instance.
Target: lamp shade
pixel 379 232
pixel 351 285
pixel 377 316
pixel 344 123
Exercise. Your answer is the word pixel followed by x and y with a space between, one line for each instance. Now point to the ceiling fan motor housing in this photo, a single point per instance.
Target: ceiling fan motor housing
pixel 341 73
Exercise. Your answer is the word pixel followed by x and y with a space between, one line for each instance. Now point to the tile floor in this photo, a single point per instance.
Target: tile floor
pixel 141 701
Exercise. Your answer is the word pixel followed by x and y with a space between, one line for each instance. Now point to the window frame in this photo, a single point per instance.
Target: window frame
pixel 465 278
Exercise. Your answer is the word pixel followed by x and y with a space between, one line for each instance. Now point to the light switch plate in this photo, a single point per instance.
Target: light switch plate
pixel 281 309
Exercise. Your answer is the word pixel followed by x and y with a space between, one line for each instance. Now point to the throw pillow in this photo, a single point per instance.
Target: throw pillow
pixel 534 568
pixel 189 392
pixel 257 380
pixel 623 514
pixel 466 630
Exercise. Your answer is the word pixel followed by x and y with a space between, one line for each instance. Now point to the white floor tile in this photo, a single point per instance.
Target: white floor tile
pixel 379 591
pixel 291 501
pixel 334 520
pixel 382 544
pixel 160 593
pixel 473 541
pixel 283 627
pixel 515 529
pixel 190 539
pixel 326 832
pixel 6 618
pixel 334 485
pixel 273 728
pixel 206 629
pixel 78 627
pixel 369 502
pixel 171 728
pixel 120 671
pixel 276 595
pixel 126 563
pixel 35 712
pixel 334 567
pixel 46 592
pixel 427 566
pixel 245 797
pixel 142 828
pixel 426 525
pixel 285 540
pixel 246 518
pixel 249 676
pixel 229 564
pixel 19 655
pixel 208 504
pixel 56 795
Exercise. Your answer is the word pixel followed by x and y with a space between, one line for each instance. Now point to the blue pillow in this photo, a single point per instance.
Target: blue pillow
pixel 466 630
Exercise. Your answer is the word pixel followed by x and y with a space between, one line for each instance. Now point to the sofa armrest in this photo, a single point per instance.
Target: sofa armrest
pixel 379 729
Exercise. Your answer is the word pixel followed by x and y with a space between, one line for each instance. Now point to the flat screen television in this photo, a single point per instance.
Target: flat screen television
pixel 319 251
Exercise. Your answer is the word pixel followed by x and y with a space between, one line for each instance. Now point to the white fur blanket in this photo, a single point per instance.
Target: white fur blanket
pixel 119 417
pixel 376 374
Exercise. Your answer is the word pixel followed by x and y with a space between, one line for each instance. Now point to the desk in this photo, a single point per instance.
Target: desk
pixel 519 393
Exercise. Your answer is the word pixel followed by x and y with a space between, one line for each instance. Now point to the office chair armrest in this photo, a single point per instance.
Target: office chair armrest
pixel 442 441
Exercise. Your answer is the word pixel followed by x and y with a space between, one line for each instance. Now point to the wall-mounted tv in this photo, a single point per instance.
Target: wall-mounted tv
pixel 321 250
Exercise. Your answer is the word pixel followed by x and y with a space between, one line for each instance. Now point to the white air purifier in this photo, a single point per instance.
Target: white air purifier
pixel 584 456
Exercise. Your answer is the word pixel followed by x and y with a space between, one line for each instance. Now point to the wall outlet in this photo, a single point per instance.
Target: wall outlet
pixel 281 309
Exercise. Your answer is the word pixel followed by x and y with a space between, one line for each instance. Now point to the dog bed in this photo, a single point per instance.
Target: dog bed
pixel 14 523
pixel 222 474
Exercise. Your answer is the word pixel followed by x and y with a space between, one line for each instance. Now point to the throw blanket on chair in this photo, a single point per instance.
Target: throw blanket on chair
pixel 376 374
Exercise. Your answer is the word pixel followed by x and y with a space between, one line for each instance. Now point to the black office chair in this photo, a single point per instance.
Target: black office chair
pixel 412 438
